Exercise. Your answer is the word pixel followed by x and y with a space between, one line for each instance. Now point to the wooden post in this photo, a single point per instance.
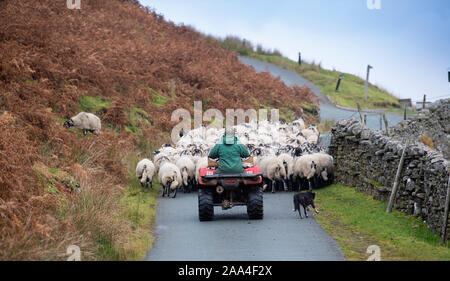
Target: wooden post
pixel 359 110
pixel 338 83
pixel 365 119
pixel 386 123
pixel 424 101
pixel 369 67
pixel 381 122
pixel 397 177
pixel 404 115
pixel 447 203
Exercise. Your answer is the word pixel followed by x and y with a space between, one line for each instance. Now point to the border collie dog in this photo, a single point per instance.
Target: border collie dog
pixel 304 199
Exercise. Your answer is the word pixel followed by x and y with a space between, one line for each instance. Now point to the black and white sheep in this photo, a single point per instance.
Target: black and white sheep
pixel 304 169
pixel 145 170
pixel 201 163
pixel 325 167
pixel 288 163
pixel 160 159
pixel 311 134
pixel 187 169
pixel 87 122
pixel 170 178
pixel 273 171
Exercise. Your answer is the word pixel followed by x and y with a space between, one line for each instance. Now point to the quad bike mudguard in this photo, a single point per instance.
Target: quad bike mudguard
pixel 229 190
pixel 250 176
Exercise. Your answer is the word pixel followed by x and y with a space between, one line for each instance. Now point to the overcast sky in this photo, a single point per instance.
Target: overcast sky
pixel 406 41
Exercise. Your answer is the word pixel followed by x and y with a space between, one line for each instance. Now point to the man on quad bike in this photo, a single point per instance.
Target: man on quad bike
pixel 230 184
pixel 229 150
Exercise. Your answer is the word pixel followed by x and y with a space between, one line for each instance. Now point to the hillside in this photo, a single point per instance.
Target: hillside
pixel 351 89
pixel 133 69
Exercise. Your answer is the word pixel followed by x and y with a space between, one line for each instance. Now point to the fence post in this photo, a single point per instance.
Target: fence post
pixel 447 203
pixel 369 67
pixel 424 101
pixel 359 110
pixel 397 176
pixel 386 123
pixel 381 122
pixel 338 83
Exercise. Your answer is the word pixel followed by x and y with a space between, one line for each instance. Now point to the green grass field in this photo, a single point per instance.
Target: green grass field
pixel 351 89
pixel 356 221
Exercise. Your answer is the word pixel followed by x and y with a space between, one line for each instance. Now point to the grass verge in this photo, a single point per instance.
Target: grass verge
pixel 113 225
pixel 107 218
pixel 140 211
pixel 356 221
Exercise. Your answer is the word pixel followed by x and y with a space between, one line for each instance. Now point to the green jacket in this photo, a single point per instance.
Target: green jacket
pixel 229 156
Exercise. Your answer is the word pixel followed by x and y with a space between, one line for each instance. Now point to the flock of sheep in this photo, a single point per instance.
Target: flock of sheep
pixel 287 154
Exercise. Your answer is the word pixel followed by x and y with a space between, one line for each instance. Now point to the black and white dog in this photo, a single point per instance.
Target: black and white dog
pixel 304 199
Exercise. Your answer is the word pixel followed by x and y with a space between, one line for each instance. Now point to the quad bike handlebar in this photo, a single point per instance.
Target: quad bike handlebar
pixel 231 176
pixel 215 163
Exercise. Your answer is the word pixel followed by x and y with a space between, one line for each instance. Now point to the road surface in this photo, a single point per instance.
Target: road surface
pixel 280 236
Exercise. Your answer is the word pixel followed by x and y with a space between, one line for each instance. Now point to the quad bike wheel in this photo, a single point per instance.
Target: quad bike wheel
pixel 255 207
pixel 205 205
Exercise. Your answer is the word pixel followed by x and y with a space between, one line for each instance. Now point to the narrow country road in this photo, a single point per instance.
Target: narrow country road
pixel 327 110
pixel 280 236
pixel 288 77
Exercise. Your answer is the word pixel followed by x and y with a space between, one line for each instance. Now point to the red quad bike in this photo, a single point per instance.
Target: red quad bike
pixel 229 190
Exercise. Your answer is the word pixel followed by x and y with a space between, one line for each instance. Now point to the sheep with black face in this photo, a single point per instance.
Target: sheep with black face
pixel 305 168
pixel 170 178
pixel 273 171
pixel 87 122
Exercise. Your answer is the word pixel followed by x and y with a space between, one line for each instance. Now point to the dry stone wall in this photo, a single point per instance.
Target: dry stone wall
pixel 368 160
pixel 434 122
